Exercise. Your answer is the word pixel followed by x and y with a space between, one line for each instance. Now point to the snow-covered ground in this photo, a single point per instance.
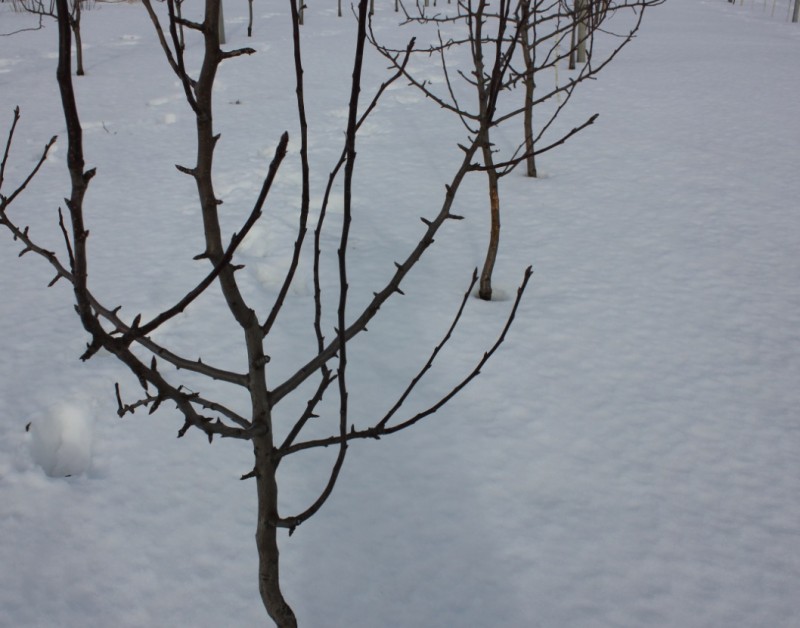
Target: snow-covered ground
pixel 628 459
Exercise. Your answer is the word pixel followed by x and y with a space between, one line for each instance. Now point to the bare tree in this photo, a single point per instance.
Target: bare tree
pixel 18 7
pixel 162 372
pixel 42 9
pixel 512 42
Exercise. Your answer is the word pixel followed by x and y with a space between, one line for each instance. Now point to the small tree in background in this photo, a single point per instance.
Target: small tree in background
pixel 48 8
pixel 512 42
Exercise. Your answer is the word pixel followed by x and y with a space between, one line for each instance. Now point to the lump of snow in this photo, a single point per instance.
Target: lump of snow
pixel 61 441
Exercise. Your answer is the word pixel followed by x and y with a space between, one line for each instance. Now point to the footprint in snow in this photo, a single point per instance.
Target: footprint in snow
pixel 167 118
pixel 128 40
pixel 5 65
pixel 407 97
pixel 164 100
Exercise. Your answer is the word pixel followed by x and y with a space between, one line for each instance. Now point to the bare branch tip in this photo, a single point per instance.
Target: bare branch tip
pixel 190 171
pixel 251 474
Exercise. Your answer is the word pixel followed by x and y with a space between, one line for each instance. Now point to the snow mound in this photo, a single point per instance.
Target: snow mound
pixel 61 441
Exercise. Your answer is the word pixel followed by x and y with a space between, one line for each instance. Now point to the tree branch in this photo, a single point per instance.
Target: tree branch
pixel 380 428
pixel 391 287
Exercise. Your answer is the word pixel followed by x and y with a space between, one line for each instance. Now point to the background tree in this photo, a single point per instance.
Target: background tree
pixel 528 35
pixel 48 8
pixel 163 374
pixel 512 42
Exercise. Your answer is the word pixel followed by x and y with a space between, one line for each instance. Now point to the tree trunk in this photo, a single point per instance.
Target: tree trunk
pixel 487 85
pixel 530 159
pixel 75 24
pixel 249 18
pixel 572 46
pixel 266 537
pixel 485 286
pixel 178 4
pixel 528 52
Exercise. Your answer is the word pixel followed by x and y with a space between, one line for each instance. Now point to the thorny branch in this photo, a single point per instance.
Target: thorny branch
pixel 381 428
pixel 329 362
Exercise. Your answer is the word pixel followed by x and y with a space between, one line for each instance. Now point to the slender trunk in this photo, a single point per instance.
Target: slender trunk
pixel 75 24
pixel 530 159
pixel 487 95
pixel 572 46
pixel 249 18
pixel 527 53
pixel 266 537
pixel 485 286
pixel 178 4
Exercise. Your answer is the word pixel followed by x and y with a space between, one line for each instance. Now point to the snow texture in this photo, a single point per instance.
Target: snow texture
pixel 628 459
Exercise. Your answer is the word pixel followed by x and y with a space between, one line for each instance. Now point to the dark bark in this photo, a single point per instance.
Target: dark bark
pixel 529 59
pixel 75 23
pixel 267 535
pixel 485 287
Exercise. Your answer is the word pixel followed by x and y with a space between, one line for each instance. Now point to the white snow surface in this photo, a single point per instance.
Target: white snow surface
pixel 628 458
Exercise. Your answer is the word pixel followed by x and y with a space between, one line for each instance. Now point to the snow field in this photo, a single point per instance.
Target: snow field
pixel 628 459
